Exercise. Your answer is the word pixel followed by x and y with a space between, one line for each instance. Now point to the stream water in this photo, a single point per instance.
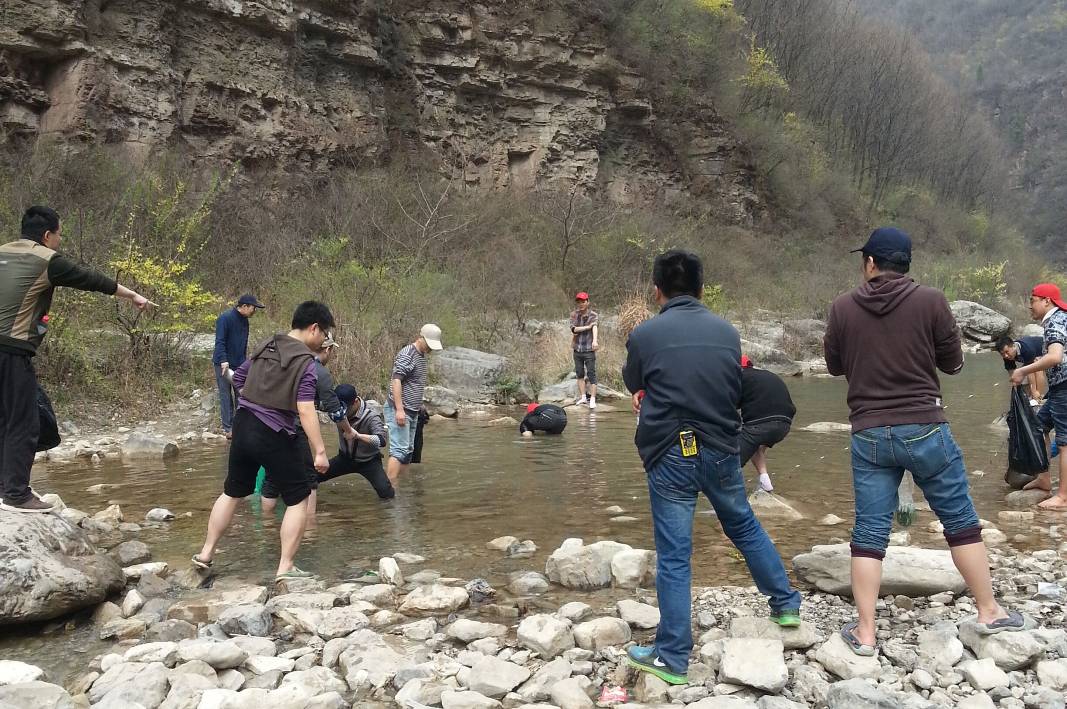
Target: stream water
pixel 479 482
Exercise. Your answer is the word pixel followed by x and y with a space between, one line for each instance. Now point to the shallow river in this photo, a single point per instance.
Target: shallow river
pixel 479 482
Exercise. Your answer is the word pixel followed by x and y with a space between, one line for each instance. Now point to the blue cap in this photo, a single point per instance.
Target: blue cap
pixel 346 393
pixel 888 243
pixel 249 299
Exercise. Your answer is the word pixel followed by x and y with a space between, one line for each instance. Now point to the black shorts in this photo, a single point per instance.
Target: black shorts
pixel 585 366
pixel 270 491
pixel 762 433
pixel 372 470
pixel 255 445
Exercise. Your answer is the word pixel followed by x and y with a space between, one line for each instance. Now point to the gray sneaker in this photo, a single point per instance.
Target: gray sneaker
pixel 33 504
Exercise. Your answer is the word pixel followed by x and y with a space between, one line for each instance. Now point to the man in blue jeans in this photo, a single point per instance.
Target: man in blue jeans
pixel 889 337
pixel 688 363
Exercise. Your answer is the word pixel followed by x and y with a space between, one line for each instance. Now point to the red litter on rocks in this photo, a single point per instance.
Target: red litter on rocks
pixel 611 696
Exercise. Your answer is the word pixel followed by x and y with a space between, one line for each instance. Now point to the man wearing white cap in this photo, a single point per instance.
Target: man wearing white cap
pixel 406 388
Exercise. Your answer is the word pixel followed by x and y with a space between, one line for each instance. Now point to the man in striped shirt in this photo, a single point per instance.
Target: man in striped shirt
pixel 406 387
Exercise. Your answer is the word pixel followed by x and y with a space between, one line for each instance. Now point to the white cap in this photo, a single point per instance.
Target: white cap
pixel 432 334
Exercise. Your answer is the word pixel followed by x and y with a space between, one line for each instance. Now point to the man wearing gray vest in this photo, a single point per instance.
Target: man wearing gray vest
pixel 30 270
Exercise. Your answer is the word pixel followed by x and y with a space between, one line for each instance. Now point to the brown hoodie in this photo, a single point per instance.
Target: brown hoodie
pixel 889 337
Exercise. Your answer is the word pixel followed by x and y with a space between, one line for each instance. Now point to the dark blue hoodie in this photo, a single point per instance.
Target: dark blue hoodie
pixel 688 361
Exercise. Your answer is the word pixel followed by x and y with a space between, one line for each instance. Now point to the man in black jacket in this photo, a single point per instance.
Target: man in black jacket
pixel 767 413
pixel 30 270
pixel 543 417
pixel 687 361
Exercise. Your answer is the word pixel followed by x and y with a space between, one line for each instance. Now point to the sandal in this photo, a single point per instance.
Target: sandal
pixel 293 573
pixel 1014 622
pixel 854 644
pixel 200 563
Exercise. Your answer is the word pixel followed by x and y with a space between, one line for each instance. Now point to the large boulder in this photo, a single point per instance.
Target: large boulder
pixel 148 445
pixel 585 567
pixel 48 568
pixel 471 374
pixel 978 322
pixel 906 571
pixel 441 401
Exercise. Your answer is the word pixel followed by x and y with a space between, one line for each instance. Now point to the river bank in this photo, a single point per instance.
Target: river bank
pixel 398 631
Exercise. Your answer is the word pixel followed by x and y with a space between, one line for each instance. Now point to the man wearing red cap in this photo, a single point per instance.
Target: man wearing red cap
pixel 1047 306
pixel 584 342
pixel 543 417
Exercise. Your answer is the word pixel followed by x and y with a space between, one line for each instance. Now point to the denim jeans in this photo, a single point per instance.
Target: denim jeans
pixel 1053 415
pixel 880 456
pixel 401 438
pixel 674 482
pixel 225 400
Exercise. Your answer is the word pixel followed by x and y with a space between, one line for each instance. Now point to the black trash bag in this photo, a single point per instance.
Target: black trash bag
pixel 1027 456
pixel 48 438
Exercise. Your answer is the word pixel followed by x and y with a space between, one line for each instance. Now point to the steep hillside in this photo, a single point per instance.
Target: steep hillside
pixel 1010 57
pixel 507 96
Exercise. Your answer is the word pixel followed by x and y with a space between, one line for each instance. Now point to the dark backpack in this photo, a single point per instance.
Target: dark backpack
pixel 1027 456
pixel 48 437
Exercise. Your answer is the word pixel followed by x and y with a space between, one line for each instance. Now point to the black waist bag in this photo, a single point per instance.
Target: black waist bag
pixel 1027 457
pixel 48 438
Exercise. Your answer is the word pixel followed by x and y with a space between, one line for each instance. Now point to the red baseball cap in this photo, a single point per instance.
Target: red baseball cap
pixel 530 408
pixel 1050 291
pixel 582 296
pixel 745 362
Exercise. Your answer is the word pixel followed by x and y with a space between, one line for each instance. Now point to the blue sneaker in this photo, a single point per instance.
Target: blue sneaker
pixel 645 659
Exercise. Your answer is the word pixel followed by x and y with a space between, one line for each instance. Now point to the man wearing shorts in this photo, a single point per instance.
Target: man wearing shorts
pixel 327 402
pixel 767 413
pixel 889 337
pixel 1048 307
pixel 584 331
pixel 364 454
pixel 402 406
pixel 277 388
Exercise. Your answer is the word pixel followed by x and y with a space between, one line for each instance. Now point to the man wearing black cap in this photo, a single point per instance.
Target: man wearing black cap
pixel 231 349
pixel 889 337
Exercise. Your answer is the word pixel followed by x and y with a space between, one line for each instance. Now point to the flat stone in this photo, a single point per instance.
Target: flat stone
pixel 501 543
pixel 134 572
pixel 575 611
pixel 36 694
pixel 756 663
pixel 572 693
pixel 768 505
pixel 837 657
pixel 638 615
pixel 466 630
pixel 163 652
pixel 908 571
pixel 494 677
pixel 467 700
pixel 528 583
pixel 15 672
pixel 261 664
pixel 798 638
pixel 1053 674
pixel 220 655
pixel 205 606
pixel 246 619
pixel 316 601
pixel 859 694
pixel 437 599
pixel 983 674
pixel 539 687
pixel 601 632
pixel 1010 651
pixel 940 646
pixel 419 630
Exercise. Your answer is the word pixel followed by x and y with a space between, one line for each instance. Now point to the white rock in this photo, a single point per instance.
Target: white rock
pixel 538 687
pixel 940 646
pixel 406 558
pixel 1053 674
pixel 318 601
pixel 1010 651
pixel 382 595
pixel 638 615
pixel 575 611
pixel 221 655
pixel 768 505
pixel 754 663
pixel 467 700
pixel 830 520
pixel 601 633
pixel 136 571
pixel 419 630
pixel 528 583
pixel 837 657
pixel 583 567
pixel 976 701
pixel 907 571
pixel 546 635
pixel 502 543
pixel 165 652
pixel 159 514
pixel 494 677
pixel 315 681
pixel 15 672
pixel 572 693
pixel 264 646
pixel 246 619
pixel 261 664
pixel 437 599
pixel 983 674
pixel 827 427
pixel 466 630
pixel 633 568
pixel 799 638
pixel 389 571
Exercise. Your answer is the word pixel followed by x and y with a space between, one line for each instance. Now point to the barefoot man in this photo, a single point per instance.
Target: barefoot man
pixel 1047 306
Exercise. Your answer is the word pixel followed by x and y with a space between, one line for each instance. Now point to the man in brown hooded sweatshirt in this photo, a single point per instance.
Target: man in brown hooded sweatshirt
pixel 889 337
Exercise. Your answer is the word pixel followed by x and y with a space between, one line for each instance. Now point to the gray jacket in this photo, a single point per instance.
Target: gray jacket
pixel 370 423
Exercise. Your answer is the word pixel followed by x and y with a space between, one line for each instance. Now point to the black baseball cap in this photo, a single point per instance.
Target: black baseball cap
pixel 888 243
pixel 249 299
pixel 346 393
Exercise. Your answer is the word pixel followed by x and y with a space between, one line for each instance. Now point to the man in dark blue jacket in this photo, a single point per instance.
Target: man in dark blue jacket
pixel 688 363
pixel 231 350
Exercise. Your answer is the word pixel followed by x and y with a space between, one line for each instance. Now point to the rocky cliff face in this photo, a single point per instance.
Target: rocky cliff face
pixel 298 87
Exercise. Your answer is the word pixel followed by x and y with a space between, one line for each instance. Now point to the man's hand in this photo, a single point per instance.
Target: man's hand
pixel 322 463
pixel 142 303
pixel 1017 376
pixel 596 347
pixel 351 435
pixel 401 418
pixel 635 401
pixel 223 366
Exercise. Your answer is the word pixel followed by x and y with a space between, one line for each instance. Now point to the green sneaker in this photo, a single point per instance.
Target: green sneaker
pixel 645 659
pixel 293 573
pixel 788 618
